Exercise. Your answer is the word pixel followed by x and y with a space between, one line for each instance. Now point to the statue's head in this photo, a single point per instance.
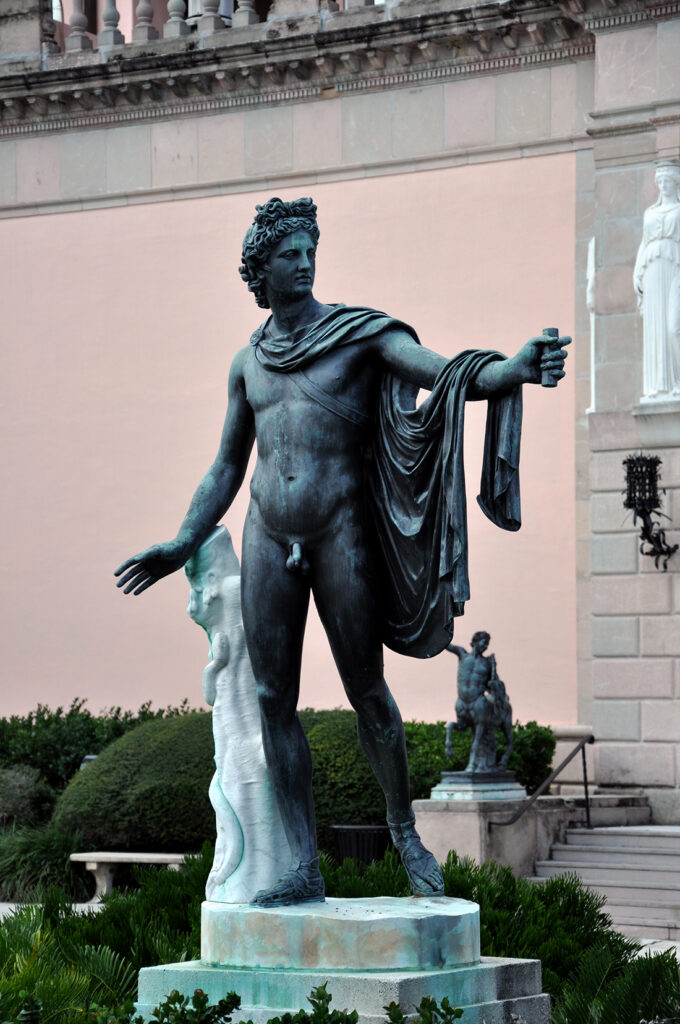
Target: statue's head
pixel 206 570
pixel 667 178
pixel 480 640
pixel 272 223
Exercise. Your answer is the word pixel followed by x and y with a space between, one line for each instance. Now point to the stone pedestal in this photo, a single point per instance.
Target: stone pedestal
pixel 469 826
pixel 367 952
pixel 478 786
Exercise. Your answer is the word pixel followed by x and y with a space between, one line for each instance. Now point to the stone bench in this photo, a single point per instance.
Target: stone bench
pixel 103 864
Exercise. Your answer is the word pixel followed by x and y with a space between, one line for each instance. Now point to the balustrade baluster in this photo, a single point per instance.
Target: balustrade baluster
pixel 176 26
pixel 144 30
pixel 78 38
pixel 245 14
pixel 210 21
pixel 109 35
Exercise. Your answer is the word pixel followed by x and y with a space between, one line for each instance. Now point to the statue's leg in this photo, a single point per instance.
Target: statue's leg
pixel 274 603
pixel 345 593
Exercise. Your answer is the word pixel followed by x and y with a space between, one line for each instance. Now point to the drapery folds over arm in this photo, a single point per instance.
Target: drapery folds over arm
pixel 417 486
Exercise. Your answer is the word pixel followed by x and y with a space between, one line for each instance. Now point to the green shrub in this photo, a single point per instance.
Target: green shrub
pixel 55 742
pixel 147 791
pixel 345 788
pixel 25 797
pixel 33 858
pixel 604 989
pixel 589 969
pixel 532 753
pixel 62 976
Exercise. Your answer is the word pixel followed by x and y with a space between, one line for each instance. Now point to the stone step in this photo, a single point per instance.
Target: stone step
pixel 615 874
pixel 638 837
pixel 635 929
pixel 587 853
pixel 644 910
pixel 615 891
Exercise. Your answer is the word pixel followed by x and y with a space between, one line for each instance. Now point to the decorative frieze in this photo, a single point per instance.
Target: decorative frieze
pixel 157 77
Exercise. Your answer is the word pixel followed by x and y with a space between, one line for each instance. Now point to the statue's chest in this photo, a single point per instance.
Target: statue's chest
pixel 339 375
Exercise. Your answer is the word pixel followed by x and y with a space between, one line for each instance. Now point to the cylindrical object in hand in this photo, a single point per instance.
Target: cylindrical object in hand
pixel 550 334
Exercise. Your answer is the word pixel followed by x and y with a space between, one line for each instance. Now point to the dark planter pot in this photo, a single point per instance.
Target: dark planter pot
pixel 363 843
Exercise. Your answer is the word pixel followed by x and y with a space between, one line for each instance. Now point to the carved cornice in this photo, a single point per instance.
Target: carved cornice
pixel 241 68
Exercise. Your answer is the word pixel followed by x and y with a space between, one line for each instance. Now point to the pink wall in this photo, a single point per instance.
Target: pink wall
pixel 120 325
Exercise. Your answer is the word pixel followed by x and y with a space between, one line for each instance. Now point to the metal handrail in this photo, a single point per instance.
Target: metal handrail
pixel 581 745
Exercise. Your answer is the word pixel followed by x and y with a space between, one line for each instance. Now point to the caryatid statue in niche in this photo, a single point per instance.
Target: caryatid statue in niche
pixel 358 497
pixel 657 283
pixel 251 849
pixel 482 706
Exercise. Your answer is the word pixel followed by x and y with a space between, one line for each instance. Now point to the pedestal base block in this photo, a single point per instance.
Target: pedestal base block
pixel 381 934
pixel 367 952
pixel 488 992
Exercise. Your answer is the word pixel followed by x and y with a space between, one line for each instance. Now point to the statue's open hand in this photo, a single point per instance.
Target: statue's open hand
pixel 541 355
pixel 143 570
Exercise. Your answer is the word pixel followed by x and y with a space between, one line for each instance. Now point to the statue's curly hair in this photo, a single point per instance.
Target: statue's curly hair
pixel 273 221
pixel 481 634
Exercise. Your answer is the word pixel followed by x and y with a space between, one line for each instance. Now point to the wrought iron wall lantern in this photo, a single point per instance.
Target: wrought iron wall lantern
pixel 642 497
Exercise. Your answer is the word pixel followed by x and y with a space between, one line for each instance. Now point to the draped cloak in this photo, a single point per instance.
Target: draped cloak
pixel 415 480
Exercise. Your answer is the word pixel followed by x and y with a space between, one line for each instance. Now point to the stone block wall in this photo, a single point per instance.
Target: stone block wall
pixel 631 683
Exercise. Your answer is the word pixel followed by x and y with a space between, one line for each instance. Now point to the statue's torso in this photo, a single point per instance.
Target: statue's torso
pixel 474 673
pixel 309 459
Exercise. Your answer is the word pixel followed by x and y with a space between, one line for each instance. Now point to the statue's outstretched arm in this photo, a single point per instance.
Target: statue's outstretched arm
pixel 413 362
pixel 213 496
pixel 455 649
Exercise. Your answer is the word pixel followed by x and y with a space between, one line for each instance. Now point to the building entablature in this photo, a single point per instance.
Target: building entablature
pixel 289 57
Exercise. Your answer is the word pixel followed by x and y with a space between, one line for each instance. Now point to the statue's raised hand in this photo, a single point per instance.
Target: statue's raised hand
pixel 543 356
pixel 143 570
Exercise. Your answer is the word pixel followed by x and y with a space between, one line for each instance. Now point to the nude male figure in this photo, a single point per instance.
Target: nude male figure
pixel 482 705
pixel 306 530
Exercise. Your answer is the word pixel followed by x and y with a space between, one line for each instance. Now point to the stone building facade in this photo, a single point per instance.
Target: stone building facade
pixel 324 95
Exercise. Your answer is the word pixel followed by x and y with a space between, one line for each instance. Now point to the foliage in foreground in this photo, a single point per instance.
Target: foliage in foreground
pixel 197 1009
pixel 65 976
pixel 603 990
pixel 33 858
pixel 75 963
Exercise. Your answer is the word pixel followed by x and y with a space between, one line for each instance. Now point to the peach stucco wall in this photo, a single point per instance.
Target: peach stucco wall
pixel 120 325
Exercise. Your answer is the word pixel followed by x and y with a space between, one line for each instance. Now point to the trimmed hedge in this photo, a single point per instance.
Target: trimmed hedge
pixel 55 742
pixel 149 789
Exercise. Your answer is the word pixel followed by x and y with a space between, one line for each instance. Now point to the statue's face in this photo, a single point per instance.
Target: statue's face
pixel 668 181
pixel 481 644
pixel 290 268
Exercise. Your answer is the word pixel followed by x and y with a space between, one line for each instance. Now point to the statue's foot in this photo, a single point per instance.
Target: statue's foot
pixel 303 884
pixel 422 869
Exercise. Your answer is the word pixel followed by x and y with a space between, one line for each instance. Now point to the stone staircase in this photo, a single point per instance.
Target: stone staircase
pixel 637 867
